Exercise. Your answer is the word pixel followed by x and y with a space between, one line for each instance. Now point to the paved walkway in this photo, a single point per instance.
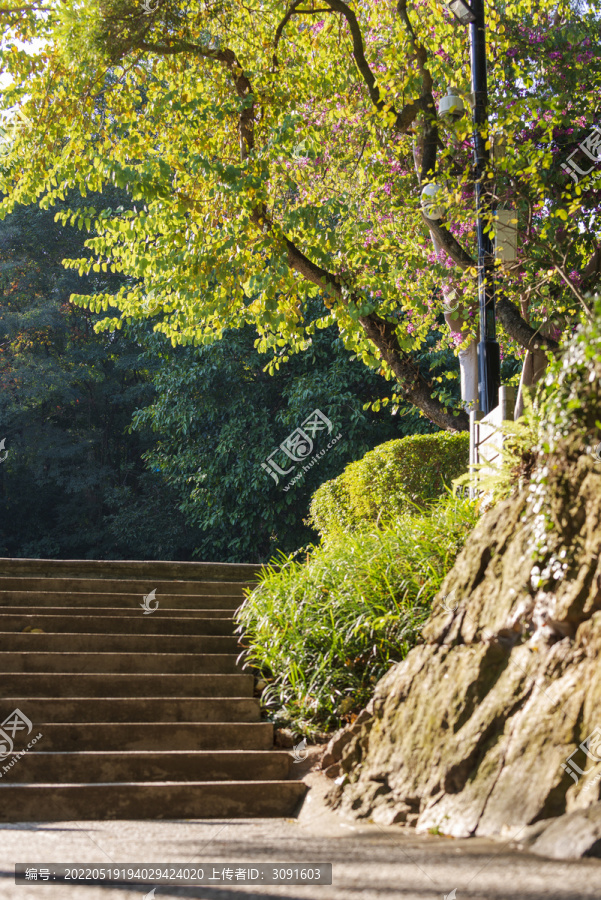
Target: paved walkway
pixel 369 862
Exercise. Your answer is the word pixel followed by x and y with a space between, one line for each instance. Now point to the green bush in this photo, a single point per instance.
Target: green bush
pixel 391 479
pixel 324 630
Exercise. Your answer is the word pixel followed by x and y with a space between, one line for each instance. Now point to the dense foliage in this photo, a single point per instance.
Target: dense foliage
pixel 325 626
pixel 394 477
pixel 77 481
pixel 217 417
pixel 72 481
pixel 275 152
pixel 569 429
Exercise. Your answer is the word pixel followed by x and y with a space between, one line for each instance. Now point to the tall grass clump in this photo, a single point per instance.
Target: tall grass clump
pixel 323 629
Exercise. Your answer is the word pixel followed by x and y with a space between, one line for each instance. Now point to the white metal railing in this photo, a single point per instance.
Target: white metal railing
pixel 486 440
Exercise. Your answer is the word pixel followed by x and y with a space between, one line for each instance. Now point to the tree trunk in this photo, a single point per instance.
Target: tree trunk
pixel 533 369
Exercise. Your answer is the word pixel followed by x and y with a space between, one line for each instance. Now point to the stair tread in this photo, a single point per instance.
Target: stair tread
pixel 122 612
pixel 33 584
pixel 126 681
pixel 165 753
pixel 100 642
pixel 170 684
pixel 122 700
pixel 48 617
pixel 95 784
pixel 6 655
pixel 167 722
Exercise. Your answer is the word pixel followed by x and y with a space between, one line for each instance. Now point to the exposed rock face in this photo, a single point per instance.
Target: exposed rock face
pixel 568 837
pixel 469 733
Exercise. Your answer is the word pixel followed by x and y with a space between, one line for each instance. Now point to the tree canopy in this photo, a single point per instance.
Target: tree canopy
pixel 77 480
pixel 275 151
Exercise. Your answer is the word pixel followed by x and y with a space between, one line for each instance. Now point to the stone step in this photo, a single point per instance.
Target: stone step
pixel 139 716
pixel 100 568
pixel 147 765
pixel 143 625
pixel 52 684
pixel 118 643
pixel 136 663
pixel 150 800
pixel 117 613
pixel 105 586
pixel 67 736
pixel 133 709
pixel 126 602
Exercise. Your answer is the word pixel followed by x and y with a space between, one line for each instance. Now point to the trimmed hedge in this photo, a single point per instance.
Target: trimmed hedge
pixel 389 480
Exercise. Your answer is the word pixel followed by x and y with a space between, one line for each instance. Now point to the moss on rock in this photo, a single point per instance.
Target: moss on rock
pixel 469 733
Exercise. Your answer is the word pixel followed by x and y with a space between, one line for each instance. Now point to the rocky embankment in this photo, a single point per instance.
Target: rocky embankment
pixel 493 725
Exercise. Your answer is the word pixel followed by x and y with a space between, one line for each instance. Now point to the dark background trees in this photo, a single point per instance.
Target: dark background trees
pixel 122 446
pixel 73 483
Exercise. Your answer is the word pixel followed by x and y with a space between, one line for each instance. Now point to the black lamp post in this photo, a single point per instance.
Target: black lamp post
pixel 489 359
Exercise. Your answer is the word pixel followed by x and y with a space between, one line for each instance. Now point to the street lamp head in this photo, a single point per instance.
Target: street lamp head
pixel 431 201
pixel 462 11
pixel 451 106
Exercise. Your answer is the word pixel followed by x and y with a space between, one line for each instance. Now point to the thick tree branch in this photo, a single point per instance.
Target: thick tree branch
pixel 418 49
pixel 429 140
pixel 358 51
pixel 404 118
pixel 449 243
pixel 380 332
pixel 413 385
pixel 517 328
pixel 592 270
pixel 280 29
pixel 241 83
pixel 509 316
pixel 383 335
pixel 292 10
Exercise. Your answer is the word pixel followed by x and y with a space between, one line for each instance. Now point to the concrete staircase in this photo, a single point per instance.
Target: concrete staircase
pixel 141 716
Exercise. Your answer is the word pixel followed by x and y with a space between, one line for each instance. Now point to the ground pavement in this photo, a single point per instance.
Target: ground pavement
pixel 369 862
